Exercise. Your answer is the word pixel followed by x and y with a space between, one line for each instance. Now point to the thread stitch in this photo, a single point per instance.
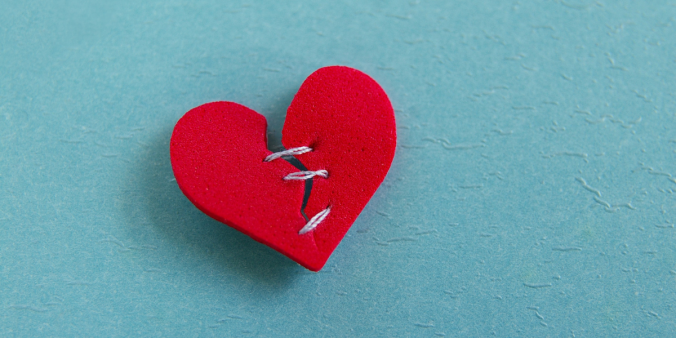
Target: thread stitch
pixel 288 152
pixel 314 222
pixel 303 175
pixel 306 175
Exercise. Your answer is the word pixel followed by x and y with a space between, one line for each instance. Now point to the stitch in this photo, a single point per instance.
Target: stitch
pixel 303 175
pixel 306 175
pixel 289 152
pixel 312 224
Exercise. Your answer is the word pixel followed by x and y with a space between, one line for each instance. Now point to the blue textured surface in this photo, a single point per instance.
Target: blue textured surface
pixel 533 192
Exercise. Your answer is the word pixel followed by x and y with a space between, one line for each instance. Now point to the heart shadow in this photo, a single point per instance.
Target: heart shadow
pixel 159 201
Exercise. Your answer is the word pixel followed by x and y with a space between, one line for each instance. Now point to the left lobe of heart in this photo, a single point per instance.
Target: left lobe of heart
pixel 217 152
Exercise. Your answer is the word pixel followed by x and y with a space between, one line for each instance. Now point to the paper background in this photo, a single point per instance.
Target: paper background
pixel 532 194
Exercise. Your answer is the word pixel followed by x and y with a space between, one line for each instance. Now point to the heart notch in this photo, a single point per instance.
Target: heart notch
pixel 345 119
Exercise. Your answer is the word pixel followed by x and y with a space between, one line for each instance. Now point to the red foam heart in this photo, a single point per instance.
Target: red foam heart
pixel 217 153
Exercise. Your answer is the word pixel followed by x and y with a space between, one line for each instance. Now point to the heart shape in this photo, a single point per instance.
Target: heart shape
pixel 218 153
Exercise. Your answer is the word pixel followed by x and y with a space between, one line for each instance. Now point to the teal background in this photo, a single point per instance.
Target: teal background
pixel 532 194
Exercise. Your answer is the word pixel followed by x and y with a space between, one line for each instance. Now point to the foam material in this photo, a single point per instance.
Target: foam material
pixel 347 118
pixel 218 151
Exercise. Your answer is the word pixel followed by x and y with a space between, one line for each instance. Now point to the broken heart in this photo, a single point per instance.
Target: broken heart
pixel 343 121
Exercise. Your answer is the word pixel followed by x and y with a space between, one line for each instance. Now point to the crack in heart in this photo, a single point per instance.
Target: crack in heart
pixel 308 183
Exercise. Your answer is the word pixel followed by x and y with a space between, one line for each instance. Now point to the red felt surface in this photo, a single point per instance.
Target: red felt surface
pixel 217 153
pixel 346 117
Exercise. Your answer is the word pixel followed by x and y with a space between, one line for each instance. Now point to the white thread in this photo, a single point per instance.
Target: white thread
pixel 289 152
pixel 306 175
pixel 303 175
pixel 314 222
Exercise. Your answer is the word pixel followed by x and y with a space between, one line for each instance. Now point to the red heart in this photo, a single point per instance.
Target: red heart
pixel 218 151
